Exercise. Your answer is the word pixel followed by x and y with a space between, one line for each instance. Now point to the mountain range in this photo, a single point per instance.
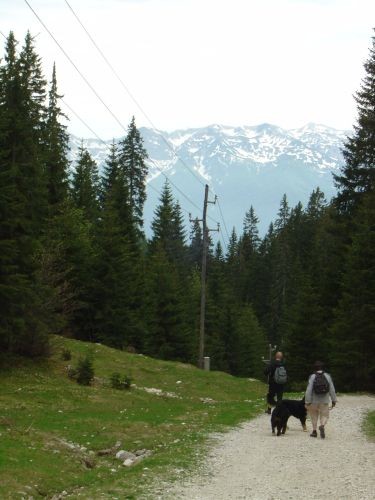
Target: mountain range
pixel 244 166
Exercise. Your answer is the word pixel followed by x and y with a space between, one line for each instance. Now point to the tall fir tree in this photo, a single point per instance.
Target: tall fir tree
pixel 358 174
pixel 23 200
pixel 168 229
pixel 56 145
pixel 86 186
pixel 168 335
pixel 110 172
pixel 352 341
pixel 132 160
pixel 196 244
pixel 119 292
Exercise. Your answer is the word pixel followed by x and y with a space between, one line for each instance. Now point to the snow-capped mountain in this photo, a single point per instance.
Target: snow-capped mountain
pixel 244 166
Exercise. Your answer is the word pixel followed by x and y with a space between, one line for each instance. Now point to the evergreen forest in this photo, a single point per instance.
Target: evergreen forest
pixel 75 261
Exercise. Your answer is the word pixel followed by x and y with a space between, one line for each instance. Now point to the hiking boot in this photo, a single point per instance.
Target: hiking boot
pixel 314 434
pixel 321 431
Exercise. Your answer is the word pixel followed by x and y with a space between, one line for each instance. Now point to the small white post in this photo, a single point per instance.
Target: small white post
pixel 206 363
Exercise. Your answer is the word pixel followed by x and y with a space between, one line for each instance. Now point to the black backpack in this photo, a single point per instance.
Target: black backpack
pixel 320 385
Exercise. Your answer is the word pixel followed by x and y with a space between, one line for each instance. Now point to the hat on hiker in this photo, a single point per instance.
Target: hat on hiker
pixel 318 365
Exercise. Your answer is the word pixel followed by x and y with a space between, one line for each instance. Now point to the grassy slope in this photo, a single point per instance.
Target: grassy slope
pixel 41 409
pixel 369 425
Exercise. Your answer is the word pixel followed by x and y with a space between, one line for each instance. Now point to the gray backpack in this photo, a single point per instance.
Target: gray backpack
pixel 280 376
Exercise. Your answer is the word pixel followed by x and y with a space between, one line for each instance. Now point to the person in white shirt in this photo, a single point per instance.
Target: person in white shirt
pixel 320 390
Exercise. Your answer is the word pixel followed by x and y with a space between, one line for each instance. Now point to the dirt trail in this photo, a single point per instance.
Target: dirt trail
pixel 250 463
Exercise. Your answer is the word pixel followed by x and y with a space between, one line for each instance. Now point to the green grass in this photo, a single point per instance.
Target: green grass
pixel 369 425
pixel 41 409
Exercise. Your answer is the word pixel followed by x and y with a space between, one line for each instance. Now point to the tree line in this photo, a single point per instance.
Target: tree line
pixel 75 261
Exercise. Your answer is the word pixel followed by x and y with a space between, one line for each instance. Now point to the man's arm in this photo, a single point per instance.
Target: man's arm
pixel 332 391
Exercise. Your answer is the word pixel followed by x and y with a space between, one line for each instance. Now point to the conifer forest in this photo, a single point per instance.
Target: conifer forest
pixel 75 260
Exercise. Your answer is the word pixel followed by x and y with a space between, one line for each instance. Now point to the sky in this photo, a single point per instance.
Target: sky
pixel 192 63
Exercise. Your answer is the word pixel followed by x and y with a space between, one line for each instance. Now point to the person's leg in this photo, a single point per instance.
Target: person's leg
pixel 270 398
pixel 314 413
pixel 279 395
pixel 324 416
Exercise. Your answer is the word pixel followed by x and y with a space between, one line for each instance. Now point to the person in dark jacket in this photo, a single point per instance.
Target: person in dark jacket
pixel 274 388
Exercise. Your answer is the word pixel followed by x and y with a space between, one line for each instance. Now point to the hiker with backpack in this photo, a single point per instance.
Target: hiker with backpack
pixel 320 390
pixel 277 377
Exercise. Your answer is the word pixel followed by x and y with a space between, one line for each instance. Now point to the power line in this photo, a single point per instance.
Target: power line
pixel 222 218
pixel 130 94
pixel 75 67
pixel 150 159
pixel 84 123
pixel 101 100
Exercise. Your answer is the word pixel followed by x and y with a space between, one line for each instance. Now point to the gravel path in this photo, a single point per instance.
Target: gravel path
pixel 250 463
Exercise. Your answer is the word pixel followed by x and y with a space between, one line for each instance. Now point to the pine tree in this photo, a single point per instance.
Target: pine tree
pixel 251 344
pixel 168 335
pixel 116 278
pixel 316 205
pixel 34 86
pixel 248 257
pixel 196 244
pixel 167 226
pixel 305 341
pixel 218 311
pixel 250 229
pixel 119 292
pixel 352 338
pixel 132 160
pixel 358 174
pixel 85 185
pixel 110 172
pixel 22 200
pixel 68 264
pixel 283 214
pixel 56 144
pixel 281 268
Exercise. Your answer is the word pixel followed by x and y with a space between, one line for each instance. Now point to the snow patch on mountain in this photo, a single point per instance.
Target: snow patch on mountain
pixel 246 165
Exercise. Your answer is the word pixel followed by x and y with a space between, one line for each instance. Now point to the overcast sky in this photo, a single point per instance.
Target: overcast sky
pixel 190 63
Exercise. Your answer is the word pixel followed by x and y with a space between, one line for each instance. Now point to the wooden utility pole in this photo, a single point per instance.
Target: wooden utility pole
pixel 203 276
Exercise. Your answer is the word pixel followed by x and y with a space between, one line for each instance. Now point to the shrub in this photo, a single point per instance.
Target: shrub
pixel 66 354
pixel 120 382
pixel 85 371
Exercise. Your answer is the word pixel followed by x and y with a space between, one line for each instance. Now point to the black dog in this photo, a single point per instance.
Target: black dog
pixel 283 410
pixel 279 418
pixel 297 409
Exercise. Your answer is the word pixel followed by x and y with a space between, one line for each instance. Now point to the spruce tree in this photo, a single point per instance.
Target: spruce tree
pixel 168 335
pixel 23 200
pixel 196 244
pixel 352 340
pixel 119 291
pixel 110 172
pixel 358 174
pixel 56 145
pixel 85 185
pixel 132 160
pixel 68 265
pixel 168 230
pixel 251 344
